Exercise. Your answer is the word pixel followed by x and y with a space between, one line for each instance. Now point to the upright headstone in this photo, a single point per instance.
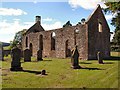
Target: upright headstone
pixel 27 55
pixel 16 56
pixel 39 55
pixel 1 52
pixel 99 57
pixel 74 58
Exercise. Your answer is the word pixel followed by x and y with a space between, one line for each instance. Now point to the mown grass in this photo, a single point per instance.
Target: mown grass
pixel 61 75
pixel 6 48
pixel 115 54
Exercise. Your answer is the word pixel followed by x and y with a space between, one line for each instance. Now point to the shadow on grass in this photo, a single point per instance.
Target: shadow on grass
pixel 47 60
pixel 91 68
pixel 108 62
pixel 85 63
pixel 36 61
pixel 29 71
pixel 113 58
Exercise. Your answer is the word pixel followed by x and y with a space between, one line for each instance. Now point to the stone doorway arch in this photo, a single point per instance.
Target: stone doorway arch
pixel 67 49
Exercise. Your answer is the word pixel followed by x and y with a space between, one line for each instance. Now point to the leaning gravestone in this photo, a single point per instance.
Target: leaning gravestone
pixel 99 57
pixel 27 55
pixel 16 56
pixel 1 52
pixel 74 58
pixel 39 55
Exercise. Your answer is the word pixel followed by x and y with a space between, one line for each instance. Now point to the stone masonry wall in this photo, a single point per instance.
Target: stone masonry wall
pixel 61 37
pixel 91 37
pixel 82 41
pixel 98 41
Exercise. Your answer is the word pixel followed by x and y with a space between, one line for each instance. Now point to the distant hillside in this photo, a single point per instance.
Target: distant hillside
pixel 4 44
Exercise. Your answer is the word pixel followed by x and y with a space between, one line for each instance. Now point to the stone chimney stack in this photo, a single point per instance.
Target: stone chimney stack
pixel 38 19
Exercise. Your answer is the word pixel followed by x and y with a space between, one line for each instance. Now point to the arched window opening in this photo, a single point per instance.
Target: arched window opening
pixel 41 42
pixel 31 49
pixel 26 42
pixel 76 30
pixel 68 51
pixel 100 27
pixel 53 41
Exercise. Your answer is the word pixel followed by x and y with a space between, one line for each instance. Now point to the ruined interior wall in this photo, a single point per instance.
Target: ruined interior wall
pixel 67 33
pixel 81 41
pixel 47 43
pixel 33 38
pixel 98 41
pixel 61 37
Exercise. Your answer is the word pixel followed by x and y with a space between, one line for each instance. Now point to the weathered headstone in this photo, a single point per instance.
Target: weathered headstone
pixel 16 56
pixel 74 58
pixel 1 52
pixel 39 55
pixel 27 55
pixel 99 57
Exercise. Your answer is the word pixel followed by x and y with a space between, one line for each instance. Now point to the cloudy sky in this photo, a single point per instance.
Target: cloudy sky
pixel 16 16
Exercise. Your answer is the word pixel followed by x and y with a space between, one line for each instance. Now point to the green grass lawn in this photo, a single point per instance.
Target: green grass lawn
pixel 61 75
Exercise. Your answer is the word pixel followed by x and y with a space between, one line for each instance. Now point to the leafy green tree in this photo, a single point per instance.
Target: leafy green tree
pixel 18 38
pixel 114 8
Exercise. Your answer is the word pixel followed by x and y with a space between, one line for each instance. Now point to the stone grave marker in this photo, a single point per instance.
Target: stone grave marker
pixel 16 56
pixel 99 57
pixel 39 55
pixel 74 58
pixel 1 52
pixel 27 55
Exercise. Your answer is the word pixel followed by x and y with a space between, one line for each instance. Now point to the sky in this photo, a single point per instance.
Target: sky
pixel 16 16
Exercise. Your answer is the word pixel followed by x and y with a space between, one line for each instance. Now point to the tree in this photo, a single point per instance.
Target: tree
pixel 83 20
pixel 67 24
pixel 18 38
pixel 114 8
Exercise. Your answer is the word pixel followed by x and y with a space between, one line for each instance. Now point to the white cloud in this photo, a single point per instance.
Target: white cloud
pixel 29 23
pixel 8 30
pixel 111 36
pixel 11 12
pixel 47 19
pixel 109 17
pixel 86 4
pixel 55 25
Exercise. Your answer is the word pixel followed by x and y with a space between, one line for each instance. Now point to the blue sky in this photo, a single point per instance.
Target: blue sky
pixel 15 16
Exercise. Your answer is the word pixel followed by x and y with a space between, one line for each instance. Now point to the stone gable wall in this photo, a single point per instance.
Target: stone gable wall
pixel 98 41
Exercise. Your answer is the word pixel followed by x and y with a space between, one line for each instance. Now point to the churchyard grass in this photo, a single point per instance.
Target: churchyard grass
pixel 61 75
pixel 6 48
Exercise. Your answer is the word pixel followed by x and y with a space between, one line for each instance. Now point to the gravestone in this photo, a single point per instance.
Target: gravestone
pixel 27 55
pixel 99 57
pixel 39 55
pixel 1 52
pixel 16 56
pixel 74 58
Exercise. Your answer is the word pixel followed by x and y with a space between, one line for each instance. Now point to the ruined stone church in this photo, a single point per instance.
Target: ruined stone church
pixel 90 37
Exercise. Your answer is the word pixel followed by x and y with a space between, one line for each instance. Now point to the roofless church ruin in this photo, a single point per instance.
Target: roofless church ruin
pixel 90 37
